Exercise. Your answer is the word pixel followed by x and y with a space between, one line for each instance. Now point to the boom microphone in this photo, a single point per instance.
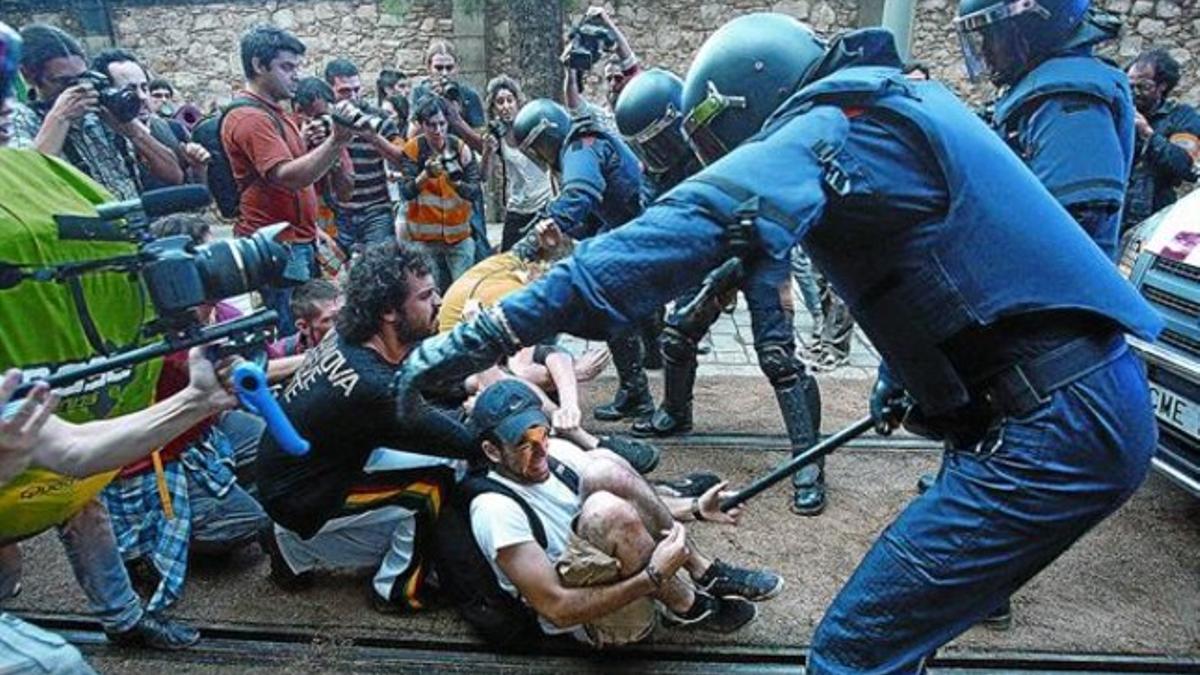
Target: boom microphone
pixel 160 202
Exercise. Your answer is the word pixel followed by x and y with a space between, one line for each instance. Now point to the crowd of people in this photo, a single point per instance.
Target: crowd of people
pixel 421 363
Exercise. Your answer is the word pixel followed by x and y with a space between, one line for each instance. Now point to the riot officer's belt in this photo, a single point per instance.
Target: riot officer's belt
pixel 1027 385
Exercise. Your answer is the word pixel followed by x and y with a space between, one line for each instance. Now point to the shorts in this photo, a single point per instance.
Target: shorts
pixel 582 565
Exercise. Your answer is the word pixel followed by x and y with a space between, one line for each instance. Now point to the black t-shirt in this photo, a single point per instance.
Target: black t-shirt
pixel 341 401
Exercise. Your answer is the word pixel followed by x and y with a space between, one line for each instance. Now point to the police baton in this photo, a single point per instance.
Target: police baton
pixel 793 465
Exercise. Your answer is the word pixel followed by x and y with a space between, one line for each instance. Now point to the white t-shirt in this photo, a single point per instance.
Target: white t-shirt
pixel 528 185
pixel 499 522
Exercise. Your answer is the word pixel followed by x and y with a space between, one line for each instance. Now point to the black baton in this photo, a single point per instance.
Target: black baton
pixel 793 465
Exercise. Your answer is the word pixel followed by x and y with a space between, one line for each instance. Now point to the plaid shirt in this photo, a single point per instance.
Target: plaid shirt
pixel 143 529
pixel 91 146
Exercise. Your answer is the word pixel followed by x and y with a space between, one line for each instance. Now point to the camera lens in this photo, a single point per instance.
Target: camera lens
pixel 234 266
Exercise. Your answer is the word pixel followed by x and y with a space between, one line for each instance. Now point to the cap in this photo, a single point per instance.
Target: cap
pixel 507 409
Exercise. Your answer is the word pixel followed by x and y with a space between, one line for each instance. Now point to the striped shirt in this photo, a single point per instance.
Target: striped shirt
pixel 370 176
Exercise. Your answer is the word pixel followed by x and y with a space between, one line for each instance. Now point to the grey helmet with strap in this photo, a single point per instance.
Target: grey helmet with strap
pixel 741 74
pixel 649 117
pixel 540 130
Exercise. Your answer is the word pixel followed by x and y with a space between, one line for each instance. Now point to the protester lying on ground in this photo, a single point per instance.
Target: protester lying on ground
pixel 613 546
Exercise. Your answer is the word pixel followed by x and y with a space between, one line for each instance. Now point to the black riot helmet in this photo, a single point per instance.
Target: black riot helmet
pixel 1002 39
pixel 740 76
pixel 649 116
pixel 540 129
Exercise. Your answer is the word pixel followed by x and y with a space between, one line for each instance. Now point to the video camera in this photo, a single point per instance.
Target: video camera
pixel 177 274
pixel 122 102
pixel 498 128
pixel 589 39
pixel 451 89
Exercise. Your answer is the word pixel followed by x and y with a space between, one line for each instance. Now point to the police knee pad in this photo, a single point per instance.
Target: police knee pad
pixel 779 364
pixel 677 347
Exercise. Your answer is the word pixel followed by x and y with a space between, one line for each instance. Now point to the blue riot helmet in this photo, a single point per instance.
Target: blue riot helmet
pixel 740 75
pixel 540 129
pixel 1002 40
pixel 10 59
pixel 649 116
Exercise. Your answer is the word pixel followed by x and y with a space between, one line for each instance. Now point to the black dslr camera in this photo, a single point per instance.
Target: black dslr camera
pixel 177 274
pixel 450 164
pixel 122 102
pixel 498 128
pixel 451 90
pixel 589 40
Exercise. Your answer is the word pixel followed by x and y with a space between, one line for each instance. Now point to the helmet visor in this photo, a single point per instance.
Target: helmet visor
pixel 697 126
pixel 660 145
pixel 535 150
pixel 992 44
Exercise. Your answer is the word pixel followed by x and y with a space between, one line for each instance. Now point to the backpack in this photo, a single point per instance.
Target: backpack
pixel 502 620
pixel 221 183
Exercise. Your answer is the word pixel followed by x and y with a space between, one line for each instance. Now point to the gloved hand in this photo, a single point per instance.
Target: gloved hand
pixel 888 402
pixel 445 361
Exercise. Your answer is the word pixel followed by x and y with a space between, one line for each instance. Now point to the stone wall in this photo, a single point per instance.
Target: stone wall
pixel 195 43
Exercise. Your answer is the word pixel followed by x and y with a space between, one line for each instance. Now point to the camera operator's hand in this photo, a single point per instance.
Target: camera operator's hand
pixel 887 403
pixel 19 431
pixel 598 14
pixel 433 167
pixel 196 155
pixel 671 552
pixel 209 384
pixel 75 102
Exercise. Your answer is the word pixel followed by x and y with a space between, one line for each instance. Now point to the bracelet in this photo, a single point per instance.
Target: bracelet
pixel 696 509
pixel 655 576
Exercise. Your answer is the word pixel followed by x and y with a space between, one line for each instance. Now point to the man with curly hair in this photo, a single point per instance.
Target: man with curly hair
pixel 369 491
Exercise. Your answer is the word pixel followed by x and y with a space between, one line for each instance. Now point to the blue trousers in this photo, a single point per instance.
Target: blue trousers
pixel 1000 512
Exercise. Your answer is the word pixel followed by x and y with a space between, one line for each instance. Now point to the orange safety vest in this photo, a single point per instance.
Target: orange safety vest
pixel 438 213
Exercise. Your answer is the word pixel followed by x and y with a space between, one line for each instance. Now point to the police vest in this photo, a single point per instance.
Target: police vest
pixel 1004 247
pixel 1084 177
pixel 437 213
pixel 618 185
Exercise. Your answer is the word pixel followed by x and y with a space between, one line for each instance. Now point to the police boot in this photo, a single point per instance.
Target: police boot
pixel 633 396
pixel 801 408
pixel 652 331
pixel 674 416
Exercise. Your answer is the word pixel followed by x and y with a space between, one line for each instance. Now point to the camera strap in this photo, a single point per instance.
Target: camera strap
pixel 85 317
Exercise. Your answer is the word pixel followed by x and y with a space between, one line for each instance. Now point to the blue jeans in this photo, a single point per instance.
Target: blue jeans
pixel 87 537
pixel 228 516
pixel 363 227
pixel 1000 512
pixel 26 649
pixel 806 279
pixel 300 267
pixel 448 261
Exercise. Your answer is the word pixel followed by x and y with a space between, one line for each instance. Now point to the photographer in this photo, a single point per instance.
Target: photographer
pixel 391 94
pixel 619 69
pixel 526 185
pixel 274 168
pixel 312 104
pixel 127 73
pixel 440 181
pixel 367 212
pixel 72 117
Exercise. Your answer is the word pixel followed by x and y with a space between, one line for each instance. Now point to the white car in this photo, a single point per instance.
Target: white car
pixel 1162 259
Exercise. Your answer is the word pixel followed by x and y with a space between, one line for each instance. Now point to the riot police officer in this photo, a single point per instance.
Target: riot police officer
pixel 1058 97
pixel 600 189
pixel 1009 339
pixel 648 116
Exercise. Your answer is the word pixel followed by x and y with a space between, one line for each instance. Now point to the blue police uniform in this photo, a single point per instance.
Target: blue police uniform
pixel 601 190
pixel 1068 102
pixel 920 217
pixel 601 182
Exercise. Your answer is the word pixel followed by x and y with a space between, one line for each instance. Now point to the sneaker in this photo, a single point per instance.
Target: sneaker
pixel 281 573
pixel 718 615
pixel 723 580
pixel 155 633
pixel 642 456
pixel 691 485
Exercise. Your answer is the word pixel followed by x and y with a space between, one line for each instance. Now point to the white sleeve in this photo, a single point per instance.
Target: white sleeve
pixel 497 523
